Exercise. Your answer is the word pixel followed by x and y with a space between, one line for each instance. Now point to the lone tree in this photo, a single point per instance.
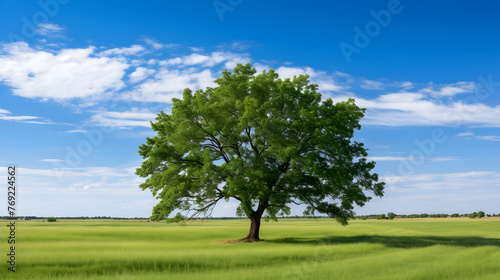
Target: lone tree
pixel 264 141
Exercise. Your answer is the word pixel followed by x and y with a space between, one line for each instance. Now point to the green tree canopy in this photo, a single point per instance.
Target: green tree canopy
pixel 262 140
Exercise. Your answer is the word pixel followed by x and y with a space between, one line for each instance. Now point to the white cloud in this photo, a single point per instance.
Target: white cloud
pixel 132 50
pixel 174 75
pixel 51 160
pixel 488 137
pixel 17 118
pixel 289 72
pixel 324 81
pixel 412 109
pixel 260 67
pixel 237 45
pixel 7 116
pixel 49 29
pixel 195 49
pixel 374 85
pixel 481 137
pixel 450 89
pixel 69 73
pixel 121 120
pixel 388 158
pixel 445 181
pixel 140 74
pixel 170 83
pixel 205 60
pixel 445 159
pixel 157 45
pixel 93 191
pixel 327 85
pixel 76 131
pixel 134 114
pixel 465 134
pixel 406 85
pixel 461 192
pixel 153 43
pixel 399 98
pixel 76 172
pixel 60 179
pixel 193 59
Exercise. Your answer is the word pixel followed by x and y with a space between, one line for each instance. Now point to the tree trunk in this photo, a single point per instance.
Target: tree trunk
pixel 253 234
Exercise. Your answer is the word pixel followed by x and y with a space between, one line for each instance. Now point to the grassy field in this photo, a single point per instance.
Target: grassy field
pixel 452 248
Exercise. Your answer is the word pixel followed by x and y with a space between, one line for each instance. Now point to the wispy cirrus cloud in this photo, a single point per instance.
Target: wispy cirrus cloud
pixel 449 89
pixel 445 192
pixel 49 30
pixel 123 120
pixel 77 171
pixel 445 158
pixel 465 134
pixel 488 137
pixel 415 109
pixel 52 160
pixel 373 85
pixel 8 116
pixel 481 137
pixel 96 191
pixel 158 45
pixel 127 51
pixel 471 181
pixel 76 131
pixel 237 45
pixel 390 158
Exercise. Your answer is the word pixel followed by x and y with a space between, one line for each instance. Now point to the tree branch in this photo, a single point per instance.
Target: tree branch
pixel 247 130
pixel 190 160
pixel 214 140
pixel 212 203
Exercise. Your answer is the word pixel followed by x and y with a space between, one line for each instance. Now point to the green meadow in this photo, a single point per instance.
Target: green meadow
pixel 447 248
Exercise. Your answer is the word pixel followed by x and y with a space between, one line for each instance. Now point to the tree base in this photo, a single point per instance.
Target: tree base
pixel 250 239
pixel 246 239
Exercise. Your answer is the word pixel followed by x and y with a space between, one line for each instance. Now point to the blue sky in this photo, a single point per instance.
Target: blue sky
pixel 80 81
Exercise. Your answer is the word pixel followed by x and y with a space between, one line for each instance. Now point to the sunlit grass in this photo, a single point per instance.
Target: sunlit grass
pixel 293 249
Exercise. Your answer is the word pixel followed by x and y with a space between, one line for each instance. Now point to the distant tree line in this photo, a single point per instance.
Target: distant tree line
pixel 72 218
pixel 388 216
pixel 391 215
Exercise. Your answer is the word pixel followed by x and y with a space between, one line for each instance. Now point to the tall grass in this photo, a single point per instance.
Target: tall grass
pixel 293 249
